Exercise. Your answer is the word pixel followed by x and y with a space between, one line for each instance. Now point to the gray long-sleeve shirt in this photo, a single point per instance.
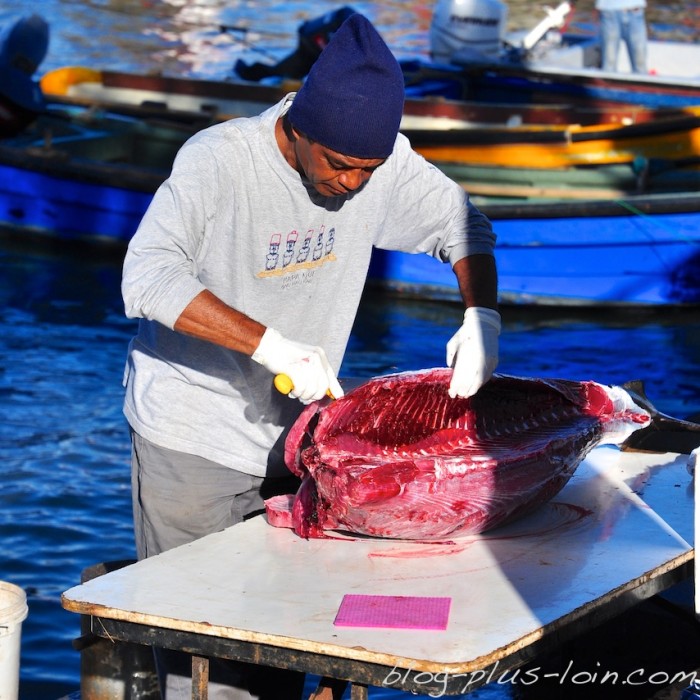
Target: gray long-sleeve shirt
pixel 235 218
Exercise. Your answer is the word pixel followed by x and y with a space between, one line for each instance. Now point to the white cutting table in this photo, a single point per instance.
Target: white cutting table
pixel 619 532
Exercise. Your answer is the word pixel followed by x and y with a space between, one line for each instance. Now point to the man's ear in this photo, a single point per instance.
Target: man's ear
pixel 290 132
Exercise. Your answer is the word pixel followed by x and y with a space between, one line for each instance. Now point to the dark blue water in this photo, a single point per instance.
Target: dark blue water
pixel 64 501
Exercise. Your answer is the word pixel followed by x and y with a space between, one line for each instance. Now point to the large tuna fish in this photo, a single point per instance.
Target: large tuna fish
pixel 398 458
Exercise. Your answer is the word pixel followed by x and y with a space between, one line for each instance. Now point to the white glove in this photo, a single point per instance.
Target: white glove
pixel 306 365
pixel 473 351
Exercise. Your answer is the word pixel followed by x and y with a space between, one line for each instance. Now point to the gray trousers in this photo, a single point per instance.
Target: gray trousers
pixel 178 498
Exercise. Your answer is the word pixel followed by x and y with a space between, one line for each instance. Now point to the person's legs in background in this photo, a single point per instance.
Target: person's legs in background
pixel 610 31
pixel 635 36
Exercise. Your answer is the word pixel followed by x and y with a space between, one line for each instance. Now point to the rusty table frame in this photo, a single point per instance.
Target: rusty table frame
pixel 361 674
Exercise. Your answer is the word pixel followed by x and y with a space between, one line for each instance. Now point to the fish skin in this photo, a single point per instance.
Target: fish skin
pixel 397 458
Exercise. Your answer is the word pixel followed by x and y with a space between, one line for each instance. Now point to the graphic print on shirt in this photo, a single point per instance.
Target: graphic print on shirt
pixel 305 247
pixel 289 248
pixel 318 248
pixel 314 250
pixel 273 252
pixel 330 241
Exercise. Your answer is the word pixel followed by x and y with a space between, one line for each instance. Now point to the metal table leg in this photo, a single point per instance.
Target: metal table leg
pixel 200 678
pixel 358 692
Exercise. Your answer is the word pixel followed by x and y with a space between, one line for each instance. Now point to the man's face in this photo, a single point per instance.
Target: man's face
pixel 332 174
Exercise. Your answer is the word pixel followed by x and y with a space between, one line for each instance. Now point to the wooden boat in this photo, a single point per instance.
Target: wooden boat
pixel 82 174
pixel 446 132
pixel 431 103
pixel 77 174
pixel 675 137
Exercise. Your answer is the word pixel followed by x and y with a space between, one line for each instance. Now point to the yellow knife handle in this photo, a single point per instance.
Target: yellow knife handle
pixel 284 384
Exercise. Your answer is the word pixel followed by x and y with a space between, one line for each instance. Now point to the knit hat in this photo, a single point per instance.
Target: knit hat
pixel 352 99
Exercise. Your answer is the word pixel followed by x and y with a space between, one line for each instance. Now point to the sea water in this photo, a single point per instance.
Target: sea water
pixel 65 496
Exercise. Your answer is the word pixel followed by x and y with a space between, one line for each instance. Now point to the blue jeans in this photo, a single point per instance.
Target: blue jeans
pixel 628 26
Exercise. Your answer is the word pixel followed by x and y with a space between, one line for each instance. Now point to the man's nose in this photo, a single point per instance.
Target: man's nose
pixel 354 178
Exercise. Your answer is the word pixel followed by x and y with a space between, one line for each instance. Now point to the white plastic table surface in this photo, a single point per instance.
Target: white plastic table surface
pixel 624 521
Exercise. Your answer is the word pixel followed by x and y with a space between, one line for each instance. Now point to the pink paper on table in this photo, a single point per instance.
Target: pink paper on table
pixel 405 612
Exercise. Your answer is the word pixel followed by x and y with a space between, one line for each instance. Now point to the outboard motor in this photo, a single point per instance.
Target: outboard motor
pixel 467 27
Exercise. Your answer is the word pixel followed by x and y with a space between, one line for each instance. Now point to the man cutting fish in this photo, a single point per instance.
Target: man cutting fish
pixel 250 263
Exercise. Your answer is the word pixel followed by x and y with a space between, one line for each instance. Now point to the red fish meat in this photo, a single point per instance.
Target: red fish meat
pixel 398 458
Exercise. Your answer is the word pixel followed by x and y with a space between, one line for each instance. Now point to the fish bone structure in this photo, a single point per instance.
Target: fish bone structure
pixel 398 458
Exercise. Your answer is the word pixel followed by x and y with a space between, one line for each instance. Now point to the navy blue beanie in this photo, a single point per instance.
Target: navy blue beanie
pixel 352 99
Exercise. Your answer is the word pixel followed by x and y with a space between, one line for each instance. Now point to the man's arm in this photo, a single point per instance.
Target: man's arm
pixel 473 350
pixel 207 317
pixel 478 281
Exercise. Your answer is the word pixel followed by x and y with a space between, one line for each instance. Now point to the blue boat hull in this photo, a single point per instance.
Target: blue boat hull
pixel 69 209
pixel 637 259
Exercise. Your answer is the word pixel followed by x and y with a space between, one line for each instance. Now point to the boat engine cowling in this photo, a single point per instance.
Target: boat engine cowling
pixel 467 27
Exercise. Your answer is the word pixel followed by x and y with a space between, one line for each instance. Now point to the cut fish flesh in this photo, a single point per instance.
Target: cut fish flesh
pixel 398 458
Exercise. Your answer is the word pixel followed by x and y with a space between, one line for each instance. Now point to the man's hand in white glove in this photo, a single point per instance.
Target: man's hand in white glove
pixel 306 366
pixel 473 351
